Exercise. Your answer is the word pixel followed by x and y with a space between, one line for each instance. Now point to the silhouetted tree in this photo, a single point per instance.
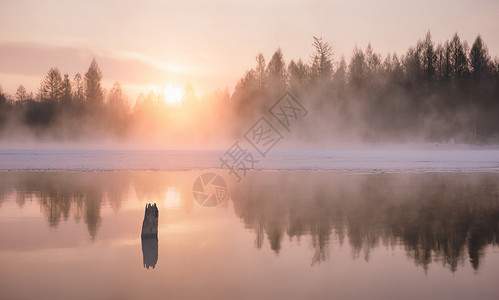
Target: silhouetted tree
pixel 51 86
pixel 78 89
pixel 479 59
pixel 93 88
pixel 66 91
pixel 117 102
pixel 3 108
pixel 413 66
pixel 261 76
pixel 429 58
pixel 397 69
pixel 322 61
pixel 480 70
pixel 248 95
pixel 357 68
pixel 276 72
pixel 458 59
pixel 3 99
pixel 340 76
pixel 442 66
pixel 373 61
pixel 21 93
pixel 298 75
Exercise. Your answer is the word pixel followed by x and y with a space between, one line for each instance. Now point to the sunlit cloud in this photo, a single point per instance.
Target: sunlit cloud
pixel 167 66
pixel 27 63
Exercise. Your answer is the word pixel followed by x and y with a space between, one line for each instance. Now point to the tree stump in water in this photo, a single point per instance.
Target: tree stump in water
pixel 150 223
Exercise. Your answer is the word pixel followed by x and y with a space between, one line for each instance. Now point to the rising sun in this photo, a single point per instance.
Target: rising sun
pixel 173 95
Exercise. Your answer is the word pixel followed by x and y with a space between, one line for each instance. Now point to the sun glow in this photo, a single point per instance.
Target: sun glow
pixel 173 95
pixel 173 198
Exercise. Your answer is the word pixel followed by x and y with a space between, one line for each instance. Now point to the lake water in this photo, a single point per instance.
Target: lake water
pixel 293 234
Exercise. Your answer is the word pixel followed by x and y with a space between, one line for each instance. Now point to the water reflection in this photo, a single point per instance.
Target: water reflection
pixel 437 217
pixel 150 252
pixel 445 218
pixel 62 194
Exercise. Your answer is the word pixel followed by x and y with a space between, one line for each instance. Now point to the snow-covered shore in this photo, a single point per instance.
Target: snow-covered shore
pixel 377 159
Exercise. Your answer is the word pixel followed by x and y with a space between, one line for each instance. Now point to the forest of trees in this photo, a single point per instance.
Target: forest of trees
pixel 432 93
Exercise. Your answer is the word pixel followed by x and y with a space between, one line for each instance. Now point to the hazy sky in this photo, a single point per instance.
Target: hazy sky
pixel 210 44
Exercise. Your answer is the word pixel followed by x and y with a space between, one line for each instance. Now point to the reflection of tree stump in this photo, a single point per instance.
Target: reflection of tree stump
pixel 150 223
pixel 149 252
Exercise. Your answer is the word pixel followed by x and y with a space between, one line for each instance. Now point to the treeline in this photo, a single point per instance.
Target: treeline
pixel 65 109
pixel 433 92
pixel 68 103
pixel 439 93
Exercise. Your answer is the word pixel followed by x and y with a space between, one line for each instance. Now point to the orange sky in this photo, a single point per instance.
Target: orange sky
pixel 210 44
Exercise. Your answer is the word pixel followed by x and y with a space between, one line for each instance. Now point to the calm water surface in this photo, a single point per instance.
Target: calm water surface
pixel 283 235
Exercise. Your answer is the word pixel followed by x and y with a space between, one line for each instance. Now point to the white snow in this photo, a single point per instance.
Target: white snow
pixel 371 161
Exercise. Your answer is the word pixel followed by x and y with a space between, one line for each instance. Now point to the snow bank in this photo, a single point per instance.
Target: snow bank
pixel 468 160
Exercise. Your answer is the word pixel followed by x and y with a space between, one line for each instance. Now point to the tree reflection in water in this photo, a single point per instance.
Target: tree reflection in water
pixel 437 217
pixel 62 194
pixel 442 217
